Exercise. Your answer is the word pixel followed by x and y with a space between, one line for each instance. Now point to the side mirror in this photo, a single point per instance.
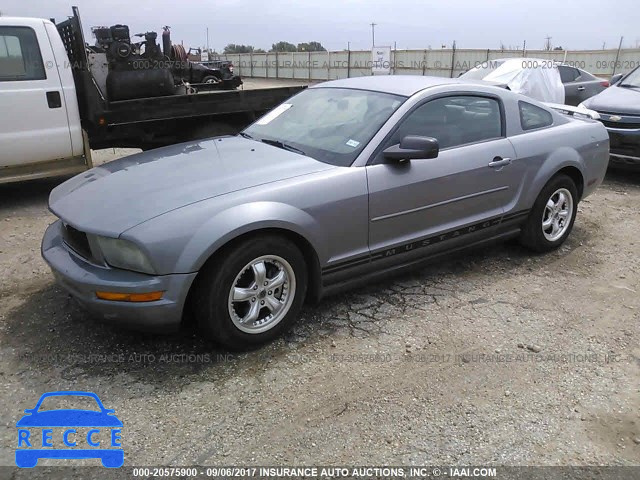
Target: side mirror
pixel 413 147
pixel 616 78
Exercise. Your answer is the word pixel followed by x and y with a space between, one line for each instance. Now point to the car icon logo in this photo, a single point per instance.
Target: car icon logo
pixel 69 433
pixel 615 118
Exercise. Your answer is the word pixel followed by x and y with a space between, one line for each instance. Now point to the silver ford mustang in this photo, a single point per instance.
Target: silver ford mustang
pixel 346 181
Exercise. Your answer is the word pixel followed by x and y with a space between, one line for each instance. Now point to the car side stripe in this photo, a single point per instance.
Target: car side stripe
pixel 424 242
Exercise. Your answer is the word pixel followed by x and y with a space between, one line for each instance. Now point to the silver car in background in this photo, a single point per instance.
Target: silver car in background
pixel 346 182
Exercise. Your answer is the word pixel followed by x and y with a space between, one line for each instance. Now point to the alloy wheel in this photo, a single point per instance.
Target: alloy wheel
pixel 262 294
pixel 557 214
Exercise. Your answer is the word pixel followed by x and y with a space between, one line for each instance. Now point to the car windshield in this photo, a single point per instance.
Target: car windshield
pixel 632 80
pixel 61 402
pixel 332 125
pixel 482 70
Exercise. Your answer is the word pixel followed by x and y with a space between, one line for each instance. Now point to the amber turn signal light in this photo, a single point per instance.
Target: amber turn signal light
pixel 130 297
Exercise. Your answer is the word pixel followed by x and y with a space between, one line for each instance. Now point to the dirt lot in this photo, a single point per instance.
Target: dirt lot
pixel 498 357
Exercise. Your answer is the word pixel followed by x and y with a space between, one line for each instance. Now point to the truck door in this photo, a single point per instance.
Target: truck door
pixel 34 126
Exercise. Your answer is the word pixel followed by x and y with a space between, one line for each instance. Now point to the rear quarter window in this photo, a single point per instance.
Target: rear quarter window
pixel 533 117
pixel 568 74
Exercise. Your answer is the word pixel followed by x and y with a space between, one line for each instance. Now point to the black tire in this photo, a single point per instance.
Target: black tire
pixel 532 235
pixel 214 284
pixel 229 85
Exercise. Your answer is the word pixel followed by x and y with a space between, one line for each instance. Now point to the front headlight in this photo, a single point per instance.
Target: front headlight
pixel 124 254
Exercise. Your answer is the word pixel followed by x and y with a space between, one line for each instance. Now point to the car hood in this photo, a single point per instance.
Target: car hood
pixel 616 100
pixel 116 196
pixel 69 418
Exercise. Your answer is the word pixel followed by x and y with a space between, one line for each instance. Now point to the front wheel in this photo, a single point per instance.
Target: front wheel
pixel 552 216
pixel 252 292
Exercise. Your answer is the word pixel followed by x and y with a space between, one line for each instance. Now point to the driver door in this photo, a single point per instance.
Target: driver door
pixel 470 181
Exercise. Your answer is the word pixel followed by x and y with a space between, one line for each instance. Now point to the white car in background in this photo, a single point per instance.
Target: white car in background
pixel 534 77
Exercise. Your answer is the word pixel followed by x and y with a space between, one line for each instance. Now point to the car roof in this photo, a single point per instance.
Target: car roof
pixel 405 85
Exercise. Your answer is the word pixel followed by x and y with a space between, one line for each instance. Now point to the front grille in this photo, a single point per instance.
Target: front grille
pixel 622 121
pixel 76 240
pixel 629 126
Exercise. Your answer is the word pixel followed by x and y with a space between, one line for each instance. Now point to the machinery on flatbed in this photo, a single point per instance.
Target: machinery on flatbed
pixel 158 120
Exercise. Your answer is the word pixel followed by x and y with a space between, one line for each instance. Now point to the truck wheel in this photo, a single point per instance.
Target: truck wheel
pixel 552 216
pixel 252 293
pixel 211 79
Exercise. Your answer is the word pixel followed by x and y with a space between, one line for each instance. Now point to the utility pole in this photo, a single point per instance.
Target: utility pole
pixel 207 39
pixel 373 34
pixel 615 64
pixel 547 45
pixel 453 58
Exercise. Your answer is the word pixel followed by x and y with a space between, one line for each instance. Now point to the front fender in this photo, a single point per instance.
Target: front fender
pixel 181 241
pixel 241 219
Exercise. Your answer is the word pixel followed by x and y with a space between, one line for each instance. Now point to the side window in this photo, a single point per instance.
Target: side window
pixel 453 121
pixel 568 74
pixel 532 117
pixel 20 57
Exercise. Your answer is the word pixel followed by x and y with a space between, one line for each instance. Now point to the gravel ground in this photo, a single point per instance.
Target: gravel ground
pixel 497 357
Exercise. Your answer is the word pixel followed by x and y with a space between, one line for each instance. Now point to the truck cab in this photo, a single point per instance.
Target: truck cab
pixel 40 130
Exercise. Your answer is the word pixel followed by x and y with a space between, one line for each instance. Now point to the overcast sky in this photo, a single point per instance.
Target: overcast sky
pixel 573 24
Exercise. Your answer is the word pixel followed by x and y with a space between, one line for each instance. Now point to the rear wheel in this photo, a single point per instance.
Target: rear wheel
pixel 252 293
pixel 552 216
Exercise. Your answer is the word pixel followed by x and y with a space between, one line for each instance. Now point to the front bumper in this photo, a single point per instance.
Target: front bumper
pixel 618 160
pixel 624 139
pixel 624 147
pixel 82 279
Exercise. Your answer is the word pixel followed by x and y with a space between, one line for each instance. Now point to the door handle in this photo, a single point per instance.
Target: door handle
pixel 581 89
pixel 54 100
pixel 500 162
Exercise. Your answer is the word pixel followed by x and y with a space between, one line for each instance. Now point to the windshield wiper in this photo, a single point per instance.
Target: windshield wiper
pixel 245 135
pixel 628 85
pixel 284 146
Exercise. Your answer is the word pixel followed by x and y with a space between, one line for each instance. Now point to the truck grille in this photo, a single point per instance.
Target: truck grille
pixel 76 240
